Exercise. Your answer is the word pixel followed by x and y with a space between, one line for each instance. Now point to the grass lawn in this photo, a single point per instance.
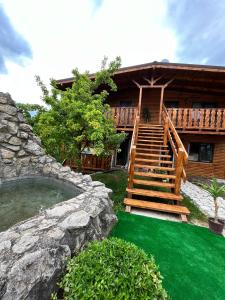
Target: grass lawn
pixel 191 258
pixel 117 181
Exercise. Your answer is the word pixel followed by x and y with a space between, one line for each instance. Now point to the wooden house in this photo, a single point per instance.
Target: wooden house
pixel 174 115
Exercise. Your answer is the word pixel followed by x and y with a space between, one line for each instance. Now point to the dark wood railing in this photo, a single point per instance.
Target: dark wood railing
pixel 186 119
pixel 123 116
pixel 91 163
pixel 179 153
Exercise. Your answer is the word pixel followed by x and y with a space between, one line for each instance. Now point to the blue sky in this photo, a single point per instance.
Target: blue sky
pixel 51 37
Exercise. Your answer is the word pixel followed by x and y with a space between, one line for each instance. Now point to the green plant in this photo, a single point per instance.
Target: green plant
pixel 112 269
pixel 78 117
pixel 215 190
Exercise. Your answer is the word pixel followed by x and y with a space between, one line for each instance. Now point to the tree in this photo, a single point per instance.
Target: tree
pixel 216 191
pixel 77 117
pixel 31 112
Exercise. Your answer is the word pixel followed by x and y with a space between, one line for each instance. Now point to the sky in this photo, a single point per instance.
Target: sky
pixel 49 38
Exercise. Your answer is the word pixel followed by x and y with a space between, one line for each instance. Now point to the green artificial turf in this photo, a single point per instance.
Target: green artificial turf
pixel 191 259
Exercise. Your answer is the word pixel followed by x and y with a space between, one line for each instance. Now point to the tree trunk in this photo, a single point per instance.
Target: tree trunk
pixel 216 209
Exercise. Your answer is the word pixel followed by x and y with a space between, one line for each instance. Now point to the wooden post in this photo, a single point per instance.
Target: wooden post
pixel 179 170
pixel 166 127
pixel 131 168
pixel 161 104
pixel 139 101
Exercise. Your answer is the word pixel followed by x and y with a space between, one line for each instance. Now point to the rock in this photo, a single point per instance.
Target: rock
pixel 25 127
pixel 23 135
pixel 76 220
pixel 33 252
pixel 6 245
pixel 33 148
pixel 6 154
pixel 12 127
pixel 24 244
pixel 8 109
pixel 21 153
pixel 203 200
pixel 11 147
pixel 9 172
pixel 15 141
pixel 34 275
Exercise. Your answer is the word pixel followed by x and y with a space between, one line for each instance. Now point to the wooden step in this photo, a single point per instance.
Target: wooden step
pixel 151 141
pixel 175 209
pixel 154 175
pixel 169 169
pixel 152 145
pixel 152 150
pixel 152 155
pixel 150 131
pixel 168 162
pixel 154 194
pixel 153 183
pixel 150 125
pixel 150 136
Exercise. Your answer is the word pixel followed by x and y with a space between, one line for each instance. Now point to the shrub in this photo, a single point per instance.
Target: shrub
pixel 112 269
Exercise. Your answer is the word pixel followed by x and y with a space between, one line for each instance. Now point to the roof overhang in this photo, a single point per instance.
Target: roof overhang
pixel 186 76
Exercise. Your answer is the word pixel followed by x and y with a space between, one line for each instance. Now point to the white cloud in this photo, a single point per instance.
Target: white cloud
pixel 73 33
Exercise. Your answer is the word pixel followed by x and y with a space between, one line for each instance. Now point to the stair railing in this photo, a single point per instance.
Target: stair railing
pixel 132 153
pixel 179 151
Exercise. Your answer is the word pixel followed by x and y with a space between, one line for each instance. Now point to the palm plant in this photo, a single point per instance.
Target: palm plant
pixel 216 191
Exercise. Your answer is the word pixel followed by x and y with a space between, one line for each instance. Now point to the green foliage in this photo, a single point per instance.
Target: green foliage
pixel 214 188
pixel 31 112
pixel 117 182
pixel 112 269
pixel 76 118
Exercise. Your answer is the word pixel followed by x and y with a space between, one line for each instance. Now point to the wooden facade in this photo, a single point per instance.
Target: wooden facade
pixel 176 116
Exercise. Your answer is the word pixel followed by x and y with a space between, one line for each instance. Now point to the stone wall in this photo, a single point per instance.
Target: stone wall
pixel 33 253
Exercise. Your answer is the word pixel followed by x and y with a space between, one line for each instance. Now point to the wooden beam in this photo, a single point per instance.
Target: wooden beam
pixel 161 104
pixel 137 84
pixel 168 82
pixel 149 81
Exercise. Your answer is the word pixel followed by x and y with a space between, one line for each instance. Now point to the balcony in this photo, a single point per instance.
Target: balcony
pixel 195 120
pixel 124 117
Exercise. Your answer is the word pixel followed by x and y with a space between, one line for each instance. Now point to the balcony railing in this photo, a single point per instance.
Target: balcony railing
pixel 192 119
pixel 124 116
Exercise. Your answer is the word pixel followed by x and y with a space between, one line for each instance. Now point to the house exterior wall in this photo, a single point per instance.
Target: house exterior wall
pixel 187 99
pixel 217 167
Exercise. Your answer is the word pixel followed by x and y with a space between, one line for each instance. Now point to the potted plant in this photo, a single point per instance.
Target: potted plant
pixel 215 190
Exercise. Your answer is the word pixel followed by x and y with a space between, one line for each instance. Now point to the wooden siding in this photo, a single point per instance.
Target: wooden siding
pixel 91 163
pixel 150 100
pixel 217 167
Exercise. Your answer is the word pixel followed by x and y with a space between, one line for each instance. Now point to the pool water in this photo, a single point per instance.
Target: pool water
pixel 24 198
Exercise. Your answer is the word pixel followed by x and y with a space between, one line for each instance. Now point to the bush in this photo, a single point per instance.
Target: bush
pixel 112 269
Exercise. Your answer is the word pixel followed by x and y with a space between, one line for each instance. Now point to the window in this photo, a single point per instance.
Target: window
pixel 126 103
pixel 201 152
pixel 204 105
pixel 171 104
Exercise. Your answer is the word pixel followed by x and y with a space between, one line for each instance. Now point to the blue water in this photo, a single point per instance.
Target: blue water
pixel 22 199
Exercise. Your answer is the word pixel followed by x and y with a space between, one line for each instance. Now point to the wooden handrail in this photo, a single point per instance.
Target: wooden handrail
pixel 179 151
pixel 134 141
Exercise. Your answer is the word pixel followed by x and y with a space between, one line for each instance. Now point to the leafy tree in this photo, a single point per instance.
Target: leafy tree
pixel 31 112
pixel 77 117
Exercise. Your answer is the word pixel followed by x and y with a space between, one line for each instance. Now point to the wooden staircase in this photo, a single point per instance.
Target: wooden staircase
pixel 157 159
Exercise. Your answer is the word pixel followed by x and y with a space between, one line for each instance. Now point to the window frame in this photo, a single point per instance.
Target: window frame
pixel 199 152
